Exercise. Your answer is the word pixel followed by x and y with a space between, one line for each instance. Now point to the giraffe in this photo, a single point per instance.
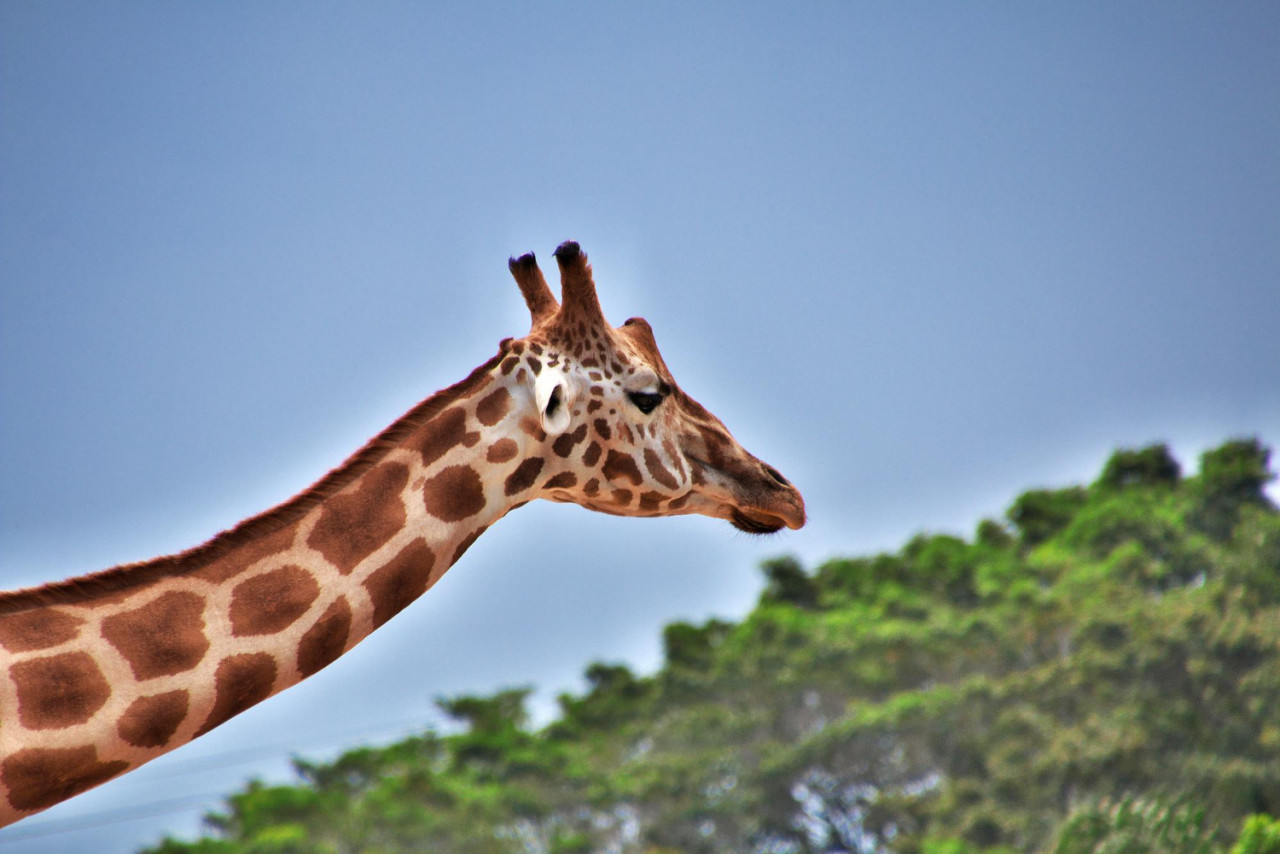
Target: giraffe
pixel 107 671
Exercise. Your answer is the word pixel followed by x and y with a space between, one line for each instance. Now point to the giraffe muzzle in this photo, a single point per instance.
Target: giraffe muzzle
pixel 759 499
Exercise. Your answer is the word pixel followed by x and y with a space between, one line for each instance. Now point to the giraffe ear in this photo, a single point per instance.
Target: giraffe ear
pixel 551 391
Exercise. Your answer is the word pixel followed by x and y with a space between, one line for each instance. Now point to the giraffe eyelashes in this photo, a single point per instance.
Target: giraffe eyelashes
pixel 645 401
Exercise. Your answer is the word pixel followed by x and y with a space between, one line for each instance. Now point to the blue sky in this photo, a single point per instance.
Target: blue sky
pixel 919 257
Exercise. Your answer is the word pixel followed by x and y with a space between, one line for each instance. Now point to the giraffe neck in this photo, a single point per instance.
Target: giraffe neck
pixel 104 673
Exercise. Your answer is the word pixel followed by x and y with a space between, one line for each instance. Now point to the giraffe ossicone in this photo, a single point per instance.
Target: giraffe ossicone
pixel 104 672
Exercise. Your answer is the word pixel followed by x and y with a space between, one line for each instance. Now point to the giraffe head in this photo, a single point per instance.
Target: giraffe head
pixel 620 435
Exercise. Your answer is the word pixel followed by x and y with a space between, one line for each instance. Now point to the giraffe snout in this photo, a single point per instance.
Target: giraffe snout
pixel 769 503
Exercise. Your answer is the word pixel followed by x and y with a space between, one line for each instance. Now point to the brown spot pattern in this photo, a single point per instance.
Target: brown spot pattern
pixel 658 471
pixel 404 578
pixel 454 494
pixel 162 637
pixel 490 410
pixel 355 523
pixel 38 629
pixel 602 427
pixel 242 557
pixel 592 454
pixel 533 429
pixel 621 466
pixel 650 500
pixel 39 777
pixel 443 433
pixel 564 480
pixel 502 450
pixel 524 476
pixel 58 691
pixel 152 721
pixel 622 496
pixel 673 456
pixel 714 445
pixel 325 641
pixel 565 442
pixel 591 487
pixel 240 682
pixel 273 601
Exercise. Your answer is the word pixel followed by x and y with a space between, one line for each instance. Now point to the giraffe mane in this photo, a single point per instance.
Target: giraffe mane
pixel 130 575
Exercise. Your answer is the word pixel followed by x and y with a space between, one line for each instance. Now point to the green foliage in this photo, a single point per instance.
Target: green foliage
pixel 1149 466
pixel 958 846
pixel 1232 477
pixel 991 533
pixel 788 583
pixel 502 712
pixel 1136 826
pixel 1261 835
pixel 1041 513
pixel 690 647
pixel 1116 647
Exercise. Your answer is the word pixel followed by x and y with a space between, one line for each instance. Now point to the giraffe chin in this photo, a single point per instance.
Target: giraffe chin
pixel 762 525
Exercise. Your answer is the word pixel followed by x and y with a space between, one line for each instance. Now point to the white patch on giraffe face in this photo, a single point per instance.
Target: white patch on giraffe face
pixel 554 394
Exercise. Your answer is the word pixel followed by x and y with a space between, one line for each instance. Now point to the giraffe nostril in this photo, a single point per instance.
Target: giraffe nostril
pixel 776 475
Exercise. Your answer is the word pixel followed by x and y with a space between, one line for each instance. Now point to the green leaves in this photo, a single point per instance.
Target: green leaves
pixel 1041 513
pixel 1231 478
pixel 1261 835
pixel 1144 467
pixel 788 583
pixel 1136 826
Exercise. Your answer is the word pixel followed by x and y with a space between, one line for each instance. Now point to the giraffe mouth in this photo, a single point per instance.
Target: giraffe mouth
pixel 755 525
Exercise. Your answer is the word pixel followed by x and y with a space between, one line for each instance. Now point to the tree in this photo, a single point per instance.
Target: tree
pixel 1149 466
pixel 788 583
pixel 1041 513
pixel 1232 476
pixel 486 715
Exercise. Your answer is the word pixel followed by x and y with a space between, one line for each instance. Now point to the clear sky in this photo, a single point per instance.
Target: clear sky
pixel 919 257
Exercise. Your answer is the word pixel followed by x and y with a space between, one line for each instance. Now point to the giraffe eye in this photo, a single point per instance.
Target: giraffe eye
pixel 645 401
